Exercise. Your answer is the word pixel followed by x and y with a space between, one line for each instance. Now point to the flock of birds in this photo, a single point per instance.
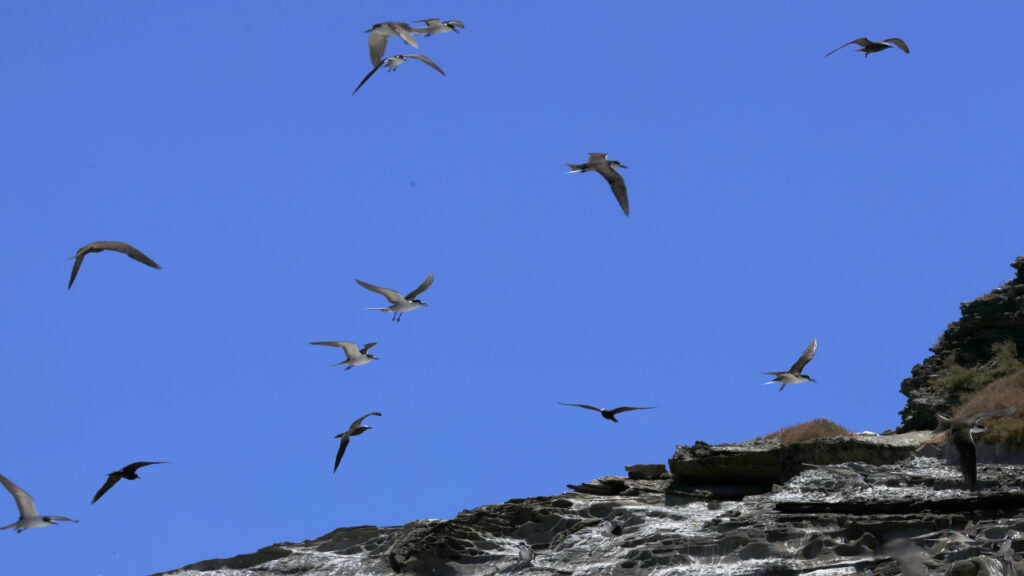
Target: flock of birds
pixel 961 430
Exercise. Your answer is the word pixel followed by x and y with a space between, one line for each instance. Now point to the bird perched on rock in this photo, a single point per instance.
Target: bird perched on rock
pixel 27 515
pixel 610 414
pixel 355 429
pixel 354 356
pixel 121 247
pixel 400 304
pixel 436 26
pixel 129 472
pixel 961 434
pixel 379 34
pixel 526 555
pixel 869 47
pixel 600 163
pixel 794 375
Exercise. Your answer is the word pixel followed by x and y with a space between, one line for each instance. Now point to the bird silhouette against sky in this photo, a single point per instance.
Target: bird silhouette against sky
pixel 126 249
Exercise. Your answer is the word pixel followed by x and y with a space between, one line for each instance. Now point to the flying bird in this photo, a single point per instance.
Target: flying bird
pixel 436 26
pixel 28 517
pixel 962 431
pixel 400 304
pixel 379 38
pixel 354 356
pixel 610 414
pixel 126 473
pixel 602 165
pixel 127 249
pixel 392 63
pixel 793 375
pixel 355 429
pixel 869 47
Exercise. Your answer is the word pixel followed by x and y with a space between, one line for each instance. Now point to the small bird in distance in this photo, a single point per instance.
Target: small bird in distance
pixel 794 375
pixel 355 429
pixel 126 473
pixel 126 249
pixel 610 414
pixel 436 26
pixel 869 47
pixel 600 163
pixel 354 355
pixel 393 62
pixel 400 304
pixel 27 515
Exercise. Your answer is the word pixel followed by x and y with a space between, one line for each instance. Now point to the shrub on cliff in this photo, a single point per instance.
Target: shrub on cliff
pixel 817 428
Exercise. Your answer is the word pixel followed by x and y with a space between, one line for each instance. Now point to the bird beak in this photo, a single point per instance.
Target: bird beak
pixel 425 304
pixel 623 166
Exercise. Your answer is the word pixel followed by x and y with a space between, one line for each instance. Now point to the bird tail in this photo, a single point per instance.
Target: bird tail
pixel 9 526
pixel 381 309
pixel 575 167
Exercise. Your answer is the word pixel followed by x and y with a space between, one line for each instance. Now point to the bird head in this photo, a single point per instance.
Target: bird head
pixel 809 379
pixel 617 164
pixel 421 303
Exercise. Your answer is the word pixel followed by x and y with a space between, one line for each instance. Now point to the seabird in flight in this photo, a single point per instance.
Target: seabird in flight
pixel 379 38
pixel 436 26
pixel 399 304
pixel 961 433
pixel 121 247
pixel 126 473
pixel 28 517
pixel 610 414
pixel 354 356
pixel 355 429
pixel 793 375
pixel 392 63
pixel 600 163
pixel 869 47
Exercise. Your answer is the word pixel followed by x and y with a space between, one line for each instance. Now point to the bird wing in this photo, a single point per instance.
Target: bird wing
pixel 359 422
pixel 430 21
pixel 111 480
pixel 74 270
pixel 805 357
pixel 136 465
pixel 618 185
pixel 404 32
pixel 422 287
pixel 990 414
pixel 597 157
pixel 455 24
pixel 427 61
pixel 26 505
pixel 378 42
pixel 132 252
pixel 859 41
pixel 375 68
pixel 968 455
pixel 628 408
pixel 392 296
pixel 351 349
pixel 365 348
pixel 588 407
pixel 899 44
pixel 341 450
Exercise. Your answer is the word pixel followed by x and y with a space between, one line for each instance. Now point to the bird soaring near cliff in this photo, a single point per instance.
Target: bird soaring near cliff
pixel 961 433
pixel 353 355
pixel 610 414
pixel 121 247
pixel 869 47
pixel 400 304
pixel 794 375
pixel 393 62
pixel 379 34
pixel 436 26
pixel 600 163
pixel 27 515
pixel 355 429
pixel 126 473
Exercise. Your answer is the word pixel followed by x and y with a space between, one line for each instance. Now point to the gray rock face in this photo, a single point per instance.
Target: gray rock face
pixel 773 517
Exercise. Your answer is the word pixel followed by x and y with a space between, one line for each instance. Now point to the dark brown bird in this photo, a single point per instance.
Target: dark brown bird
pixel 121 247
pixel 600 163
pixel 355 429
pixel 869 47
pixel 610 414
pixel 961 434
pixel 127 473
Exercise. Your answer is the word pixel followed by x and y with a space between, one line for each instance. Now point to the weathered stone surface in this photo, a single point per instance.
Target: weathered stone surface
pixel 646 471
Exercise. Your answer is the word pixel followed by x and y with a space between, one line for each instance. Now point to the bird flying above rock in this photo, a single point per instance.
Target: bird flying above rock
pixel 355 429
pixel 379 34
pixel 436 26
pixel 126 249
pixel 400 304
pixel 126 473
pixel 610 414
pixel 869 47
pixel 600 163
pixel 392 63
pixel 961 433
pixel 27 515
pixel 794 375
pixel 354 355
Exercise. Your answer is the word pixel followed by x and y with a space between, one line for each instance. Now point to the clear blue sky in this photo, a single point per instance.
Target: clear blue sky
pixel 776 195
